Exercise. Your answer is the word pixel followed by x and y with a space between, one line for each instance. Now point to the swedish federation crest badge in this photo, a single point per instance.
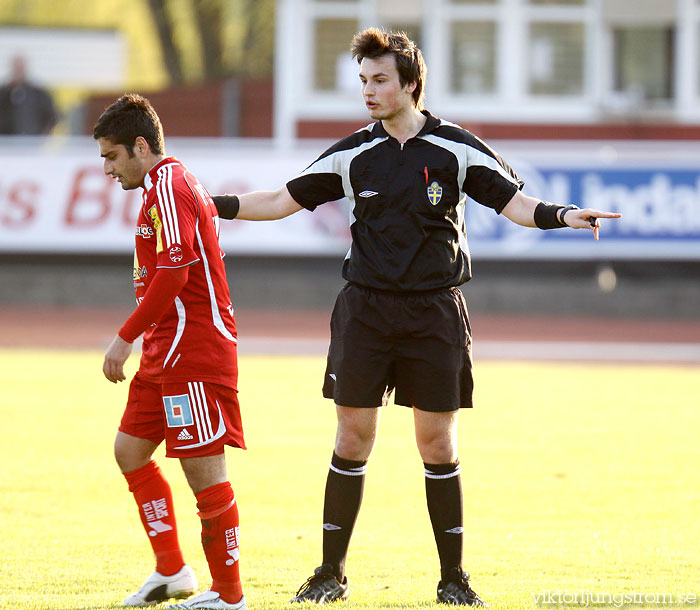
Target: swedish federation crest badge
pixel 434 193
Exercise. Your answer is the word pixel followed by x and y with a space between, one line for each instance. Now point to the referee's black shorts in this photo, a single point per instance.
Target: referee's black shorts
pixel 418 344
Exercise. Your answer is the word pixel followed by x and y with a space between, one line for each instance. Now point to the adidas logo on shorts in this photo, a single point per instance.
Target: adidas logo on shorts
pixel 184 435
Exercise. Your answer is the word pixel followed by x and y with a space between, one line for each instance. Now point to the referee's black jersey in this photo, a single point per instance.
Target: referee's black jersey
pixel 407 202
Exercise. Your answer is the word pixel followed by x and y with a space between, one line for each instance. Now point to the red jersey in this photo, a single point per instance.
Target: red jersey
pixel 178 226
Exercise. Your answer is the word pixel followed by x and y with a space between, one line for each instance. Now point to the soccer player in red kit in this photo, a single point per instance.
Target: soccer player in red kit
pixel 184 391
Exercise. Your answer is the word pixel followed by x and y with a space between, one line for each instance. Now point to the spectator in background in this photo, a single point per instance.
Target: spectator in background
pixel 25 108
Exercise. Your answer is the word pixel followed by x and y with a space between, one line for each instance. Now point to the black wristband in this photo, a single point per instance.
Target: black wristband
pixel 227 206
pixel 564 211
pixel 547 216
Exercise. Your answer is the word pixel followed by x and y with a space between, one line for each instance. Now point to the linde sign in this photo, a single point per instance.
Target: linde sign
pixel 660 209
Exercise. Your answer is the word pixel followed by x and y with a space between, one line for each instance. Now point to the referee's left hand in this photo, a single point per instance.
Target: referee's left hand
pixel 117 353
pixel 587 219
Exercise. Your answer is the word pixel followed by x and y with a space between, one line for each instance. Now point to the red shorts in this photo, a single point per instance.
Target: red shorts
pixel 195 418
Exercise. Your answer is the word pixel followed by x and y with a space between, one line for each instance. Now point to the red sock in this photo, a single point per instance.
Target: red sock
pixel 219 515
pixel 155 501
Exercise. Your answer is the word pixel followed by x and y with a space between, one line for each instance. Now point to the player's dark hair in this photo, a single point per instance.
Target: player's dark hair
pixel 374 43
pixel 128 118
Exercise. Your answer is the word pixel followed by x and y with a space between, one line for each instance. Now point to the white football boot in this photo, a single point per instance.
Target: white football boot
pixel 209 600
pixel 158 588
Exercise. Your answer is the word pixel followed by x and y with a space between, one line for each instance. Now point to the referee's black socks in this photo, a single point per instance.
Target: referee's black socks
pixel 344 486
pixel 443 492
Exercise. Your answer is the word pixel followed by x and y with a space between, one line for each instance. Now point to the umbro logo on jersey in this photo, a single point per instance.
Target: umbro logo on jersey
pixel 368 193
pixel 184 435
pixel 330 527
pixel 332 376
pixel 455 530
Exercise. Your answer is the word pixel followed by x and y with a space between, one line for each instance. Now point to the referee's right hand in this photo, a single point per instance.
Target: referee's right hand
pixel 587 218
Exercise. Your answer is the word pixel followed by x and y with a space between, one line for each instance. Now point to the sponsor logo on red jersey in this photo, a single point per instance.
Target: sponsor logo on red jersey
pixel 144 231
pixel 140 273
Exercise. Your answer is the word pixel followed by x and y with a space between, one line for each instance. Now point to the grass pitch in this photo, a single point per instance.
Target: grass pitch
pixel 578 480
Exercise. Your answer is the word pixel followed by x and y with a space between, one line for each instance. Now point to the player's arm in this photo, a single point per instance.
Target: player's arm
pixel 258 205
pixel 161 292
pixel 530 212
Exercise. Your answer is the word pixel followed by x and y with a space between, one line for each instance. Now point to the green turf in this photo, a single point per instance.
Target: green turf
pixel 577 478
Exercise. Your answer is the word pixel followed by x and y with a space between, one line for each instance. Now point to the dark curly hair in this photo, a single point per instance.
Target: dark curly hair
pixel 128 118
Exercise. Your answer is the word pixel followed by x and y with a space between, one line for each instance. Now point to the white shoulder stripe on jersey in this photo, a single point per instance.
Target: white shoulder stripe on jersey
pixel 175 227
pixel 492 164
pixel 167 202
pixel 171 199
pixel 339 163
pixel 458 149
pixel 162 209
pixel 215 313
pixel 468 155
pixel 166 212
pixel 476 157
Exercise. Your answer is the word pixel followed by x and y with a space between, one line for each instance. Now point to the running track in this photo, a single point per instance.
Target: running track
pixel 559 338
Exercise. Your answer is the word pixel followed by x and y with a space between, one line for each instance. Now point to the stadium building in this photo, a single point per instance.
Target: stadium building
pixel 510 68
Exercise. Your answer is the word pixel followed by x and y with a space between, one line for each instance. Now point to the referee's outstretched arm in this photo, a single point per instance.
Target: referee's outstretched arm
pixel 530 212
pixel 258 205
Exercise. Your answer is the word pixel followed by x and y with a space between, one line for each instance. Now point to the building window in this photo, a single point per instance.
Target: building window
pixel 473 57
pixel 644 63
pixel 333 68
pixel 556 52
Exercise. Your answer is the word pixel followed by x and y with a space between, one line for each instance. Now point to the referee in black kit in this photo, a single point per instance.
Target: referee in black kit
pixel 400 323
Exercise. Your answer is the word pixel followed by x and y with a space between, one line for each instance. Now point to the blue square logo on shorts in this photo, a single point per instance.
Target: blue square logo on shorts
pixel 178 411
